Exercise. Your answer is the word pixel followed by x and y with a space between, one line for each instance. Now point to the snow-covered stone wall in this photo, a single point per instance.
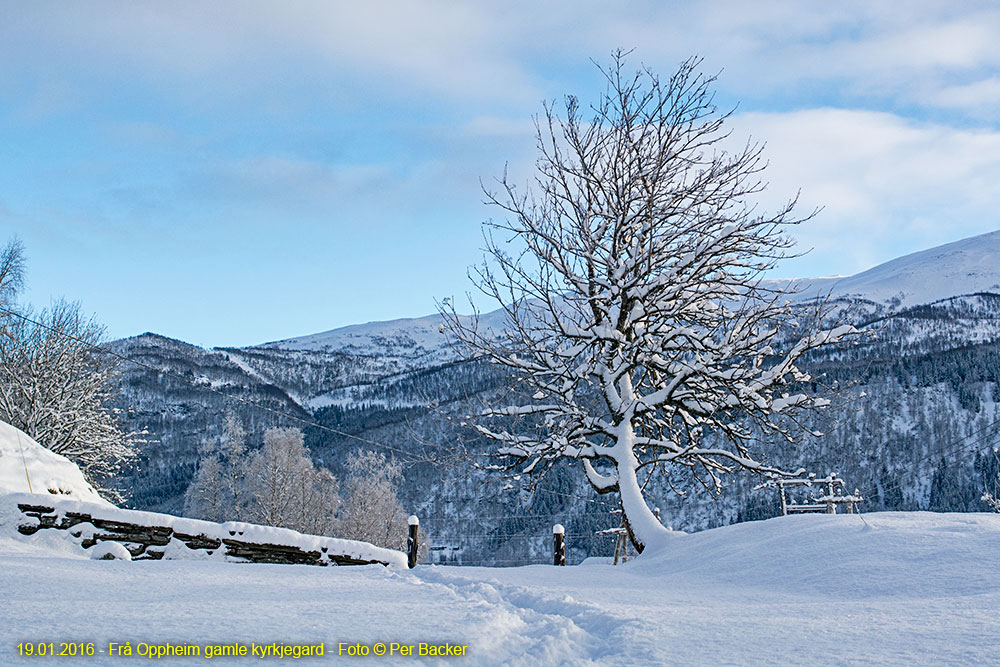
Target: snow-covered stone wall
pixel 152 536
pixel 43 491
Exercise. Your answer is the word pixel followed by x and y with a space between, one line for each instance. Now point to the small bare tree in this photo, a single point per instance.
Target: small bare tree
pixel 55 385
pixel 370 511
pixel 233 449
pixel 206 497
pixel 636 314
pixel 216 492
pixel 284 487
pixel 11 281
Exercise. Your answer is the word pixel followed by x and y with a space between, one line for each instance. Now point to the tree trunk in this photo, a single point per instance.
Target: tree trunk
pixel 644 529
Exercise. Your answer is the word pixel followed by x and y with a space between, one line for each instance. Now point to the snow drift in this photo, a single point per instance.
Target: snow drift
pixel 28 467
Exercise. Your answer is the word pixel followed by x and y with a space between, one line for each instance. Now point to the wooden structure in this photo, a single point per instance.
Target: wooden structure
pixel 622 543
pixel 799 496
pixel 621 538
pixel 558 545
pixel 411 541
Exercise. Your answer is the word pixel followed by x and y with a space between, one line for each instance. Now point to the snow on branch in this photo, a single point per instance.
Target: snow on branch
pixel 630 275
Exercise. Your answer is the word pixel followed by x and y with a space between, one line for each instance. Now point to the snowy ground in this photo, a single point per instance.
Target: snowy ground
pixel 894 588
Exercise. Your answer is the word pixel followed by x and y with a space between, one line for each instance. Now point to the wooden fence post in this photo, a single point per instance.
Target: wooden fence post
pixel 558 545
pixel 411 541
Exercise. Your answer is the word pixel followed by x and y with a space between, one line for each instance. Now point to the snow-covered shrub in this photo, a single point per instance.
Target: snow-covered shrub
pixel 109 551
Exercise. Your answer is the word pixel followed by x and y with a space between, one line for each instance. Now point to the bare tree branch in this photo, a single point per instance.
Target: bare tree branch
pixel 635 309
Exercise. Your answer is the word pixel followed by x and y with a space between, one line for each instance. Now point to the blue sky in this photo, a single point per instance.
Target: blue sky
pixel 229 173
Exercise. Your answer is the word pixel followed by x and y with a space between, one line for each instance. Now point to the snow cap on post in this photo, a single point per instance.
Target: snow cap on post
pixel 411 541
pixel 558 545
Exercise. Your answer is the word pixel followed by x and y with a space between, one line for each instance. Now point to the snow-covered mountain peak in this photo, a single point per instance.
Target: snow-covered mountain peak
pixel 968 266
pixel 409 332
pixel 963 267
pixel 402 337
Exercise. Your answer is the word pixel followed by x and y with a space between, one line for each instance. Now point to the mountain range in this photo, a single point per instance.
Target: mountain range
pixel 914 430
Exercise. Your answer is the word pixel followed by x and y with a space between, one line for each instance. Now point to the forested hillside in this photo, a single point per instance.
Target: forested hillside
pixel 912 426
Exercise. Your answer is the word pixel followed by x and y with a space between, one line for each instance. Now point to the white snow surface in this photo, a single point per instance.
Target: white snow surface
pixel 109 551
pixel 419 332
pixel 26 466
pixel 885 588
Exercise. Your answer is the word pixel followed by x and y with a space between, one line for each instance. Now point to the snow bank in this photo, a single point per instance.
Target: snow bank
pixel 850 555
pixel 27 467
pixel 110 551
pixel 899 588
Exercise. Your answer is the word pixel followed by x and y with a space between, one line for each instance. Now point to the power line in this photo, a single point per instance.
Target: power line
pixel 239 399
pixel 954 447
pixel 982 441
pixel 261 406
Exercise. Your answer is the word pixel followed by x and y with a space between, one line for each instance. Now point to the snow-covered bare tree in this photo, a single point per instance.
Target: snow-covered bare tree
pixel 631 274
pixel 278 485
pixel 11 280
pixel 284 487
pixel 371 511
pixel 216 492
pixel 206 497
pixel 56 386
pixel 233 449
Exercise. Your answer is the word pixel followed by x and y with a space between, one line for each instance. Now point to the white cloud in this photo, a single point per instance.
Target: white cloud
pixel 772 51
pixel 930 41
pixel 445 47
pixel 981 97
pixel 494 126
pixel 888 185
pixel 508 50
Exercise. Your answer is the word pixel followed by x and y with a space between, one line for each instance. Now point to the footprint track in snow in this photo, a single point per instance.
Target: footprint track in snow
pixel 549 628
